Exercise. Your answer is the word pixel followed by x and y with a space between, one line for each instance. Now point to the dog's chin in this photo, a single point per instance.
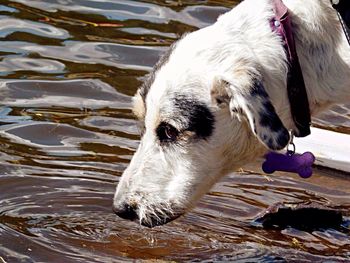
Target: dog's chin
pixel 154 222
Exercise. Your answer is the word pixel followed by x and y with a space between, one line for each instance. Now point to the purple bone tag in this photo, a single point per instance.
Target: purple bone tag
pixel 293 163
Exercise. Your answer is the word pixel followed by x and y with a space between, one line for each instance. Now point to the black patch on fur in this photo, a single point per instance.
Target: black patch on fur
pixel 283 139
pixel 268 106
pixel 270 120
pixel 268 117
pixel 277 136
pixel 277 141
pixel 237 110
pixel 258 90
pixel 270 143
pixel 200 119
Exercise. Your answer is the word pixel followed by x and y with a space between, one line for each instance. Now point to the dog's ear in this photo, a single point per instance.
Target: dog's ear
pixel 219 93
pixel 249 98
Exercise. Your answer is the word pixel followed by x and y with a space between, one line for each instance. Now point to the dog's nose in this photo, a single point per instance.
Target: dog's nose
pixel 125 211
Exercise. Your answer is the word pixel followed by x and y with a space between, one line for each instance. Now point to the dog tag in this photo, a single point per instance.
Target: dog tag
pixel 289 162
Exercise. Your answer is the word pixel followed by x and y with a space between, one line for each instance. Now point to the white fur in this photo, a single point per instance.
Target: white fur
pixel 164 182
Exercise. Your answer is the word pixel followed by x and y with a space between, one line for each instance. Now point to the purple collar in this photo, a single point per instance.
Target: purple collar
pixel 299 104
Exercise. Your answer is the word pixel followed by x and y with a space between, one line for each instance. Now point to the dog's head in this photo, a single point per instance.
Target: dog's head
pixel 203 114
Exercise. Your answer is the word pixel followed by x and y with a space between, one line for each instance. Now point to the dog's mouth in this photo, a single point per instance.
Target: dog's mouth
pixel 156 221
pixel 150 217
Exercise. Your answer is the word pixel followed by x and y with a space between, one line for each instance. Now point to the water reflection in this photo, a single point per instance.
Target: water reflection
pixel 198 16
pixel 80 94
pixel 9 26
pixel 116 55
pixel 14 63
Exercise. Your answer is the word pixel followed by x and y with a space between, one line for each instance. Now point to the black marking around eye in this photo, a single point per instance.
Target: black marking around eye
pixel 197 116
pixel 166 133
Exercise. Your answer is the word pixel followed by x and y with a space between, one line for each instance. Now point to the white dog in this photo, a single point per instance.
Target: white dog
pixel 218 100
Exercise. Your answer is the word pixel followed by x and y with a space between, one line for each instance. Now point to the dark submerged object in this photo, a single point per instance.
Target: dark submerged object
pixel 306 217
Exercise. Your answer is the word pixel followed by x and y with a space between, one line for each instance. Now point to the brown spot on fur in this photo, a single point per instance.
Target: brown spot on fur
pixel 219 93
pixel 139 108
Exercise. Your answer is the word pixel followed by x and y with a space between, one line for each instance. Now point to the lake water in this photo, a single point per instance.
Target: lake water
pixel 67 71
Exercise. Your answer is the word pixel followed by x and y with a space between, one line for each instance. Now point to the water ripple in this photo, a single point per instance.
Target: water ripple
pixel 80 94
pixel 10 25
pixel 198 16
pixel 117 55
pixel 15 63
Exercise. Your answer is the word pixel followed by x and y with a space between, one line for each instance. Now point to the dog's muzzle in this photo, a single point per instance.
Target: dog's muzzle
pixel 131 212
pixel 126 211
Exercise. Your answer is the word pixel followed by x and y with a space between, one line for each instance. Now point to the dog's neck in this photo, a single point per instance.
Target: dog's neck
pixel 320 45
pixel 297 95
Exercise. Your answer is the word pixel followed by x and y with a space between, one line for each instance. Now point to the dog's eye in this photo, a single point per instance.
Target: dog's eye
pixel 167 132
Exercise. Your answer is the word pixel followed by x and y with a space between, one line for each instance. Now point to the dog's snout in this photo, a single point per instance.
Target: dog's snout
pixel 126 211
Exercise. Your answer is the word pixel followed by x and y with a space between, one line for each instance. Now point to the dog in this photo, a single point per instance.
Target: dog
pixel 217 100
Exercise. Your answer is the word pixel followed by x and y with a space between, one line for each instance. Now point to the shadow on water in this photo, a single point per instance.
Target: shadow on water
pixel 68 69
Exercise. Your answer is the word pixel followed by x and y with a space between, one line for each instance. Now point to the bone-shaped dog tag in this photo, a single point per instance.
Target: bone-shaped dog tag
pixel 289 162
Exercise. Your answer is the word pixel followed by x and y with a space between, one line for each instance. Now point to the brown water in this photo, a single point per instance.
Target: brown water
pixel 68 68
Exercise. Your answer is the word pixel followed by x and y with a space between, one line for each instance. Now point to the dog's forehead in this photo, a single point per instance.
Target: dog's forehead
pixel 179 100
pixel 139 100
pixel 181 66
pixel 179 78
pixel 150 78
pixel 171 96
